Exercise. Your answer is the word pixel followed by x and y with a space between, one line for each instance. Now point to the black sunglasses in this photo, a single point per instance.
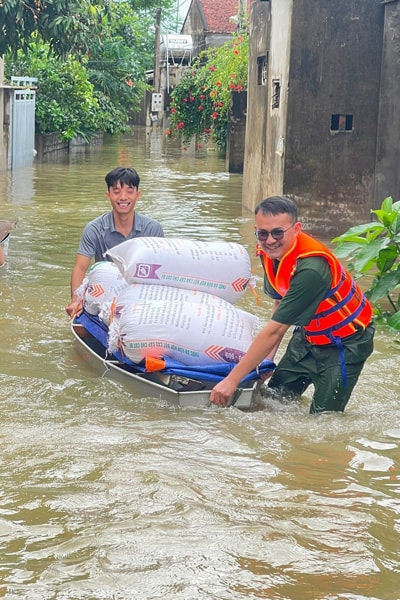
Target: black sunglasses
pixel 277 234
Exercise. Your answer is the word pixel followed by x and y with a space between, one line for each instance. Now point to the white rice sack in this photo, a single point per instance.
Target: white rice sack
pixel 191 332
pixel 103 283
pixel 142 293
pixel 219 268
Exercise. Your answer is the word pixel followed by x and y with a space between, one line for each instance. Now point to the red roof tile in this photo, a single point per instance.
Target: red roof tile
pixel 217 13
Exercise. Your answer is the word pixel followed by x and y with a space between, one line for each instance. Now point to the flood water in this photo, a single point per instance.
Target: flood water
pixel 108 495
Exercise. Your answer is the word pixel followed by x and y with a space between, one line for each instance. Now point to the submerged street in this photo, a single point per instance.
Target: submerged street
pixel 109 495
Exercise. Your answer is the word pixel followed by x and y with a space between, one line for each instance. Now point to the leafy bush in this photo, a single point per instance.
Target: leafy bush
pixel 375 247
pixel 64 98
pixel 101 83
pixel 201 100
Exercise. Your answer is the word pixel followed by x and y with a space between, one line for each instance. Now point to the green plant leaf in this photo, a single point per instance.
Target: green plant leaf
pixel 383 286
pixel 369 254
pixel 354 233
pixel 386 258
pixel 348 249
pixel 394 321
pixel 387 204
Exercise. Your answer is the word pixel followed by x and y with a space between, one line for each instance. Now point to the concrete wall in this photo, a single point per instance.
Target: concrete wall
pixel 194 26
pixel 387 175
pixel 270 29
pixel 326 57
pixel 257 98
pixel 336 50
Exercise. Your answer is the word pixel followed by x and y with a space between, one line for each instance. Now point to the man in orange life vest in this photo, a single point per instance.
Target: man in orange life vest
pixel 333 333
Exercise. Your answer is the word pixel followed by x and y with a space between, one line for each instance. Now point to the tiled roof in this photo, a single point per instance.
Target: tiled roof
pixel 217 13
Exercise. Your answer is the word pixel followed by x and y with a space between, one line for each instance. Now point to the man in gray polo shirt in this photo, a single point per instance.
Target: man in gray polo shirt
pixel 120 224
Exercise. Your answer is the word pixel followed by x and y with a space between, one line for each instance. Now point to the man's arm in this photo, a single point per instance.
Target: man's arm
pixel 263 346
pixel 82 264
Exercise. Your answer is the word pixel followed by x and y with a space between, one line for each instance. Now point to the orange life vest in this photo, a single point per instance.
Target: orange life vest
pixel 342 312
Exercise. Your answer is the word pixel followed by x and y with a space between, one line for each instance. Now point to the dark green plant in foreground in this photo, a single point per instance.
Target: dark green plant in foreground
pixel 375 247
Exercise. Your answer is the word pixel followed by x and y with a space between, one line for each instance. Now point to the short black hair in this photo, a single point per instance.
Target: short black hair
pixel 123 175
pixel 277 205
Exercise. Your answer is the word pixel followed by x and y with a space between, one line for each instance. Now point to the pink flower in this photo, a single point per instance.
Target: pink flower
pixel 173 110
pixel 214 115
pixel 200 107
pixel 218 83
pixel 232 86
pixel 236 52
pixel 212 68
pixel 184 100
pixel 239 88
pixel 180 125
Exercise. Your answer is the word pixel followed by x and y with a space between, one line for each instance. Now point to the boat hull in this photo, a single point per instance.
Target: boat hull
pixel 176 391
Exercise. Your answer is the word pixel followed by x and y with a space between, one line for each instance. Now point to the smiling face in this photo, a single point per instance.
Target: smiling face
pixel 282 222
pixel 123 198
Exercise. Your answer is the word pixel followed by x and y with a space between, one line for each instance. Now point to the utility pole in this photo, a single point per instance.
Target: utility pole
pixel 156 78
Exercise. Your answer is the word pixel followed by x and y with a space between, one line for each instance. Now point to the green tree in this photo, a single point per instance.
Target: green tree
pixel 66 25
pixel 375 247
pixel 117 62
pixel 115 65
pixel 65 102
pixel 201 100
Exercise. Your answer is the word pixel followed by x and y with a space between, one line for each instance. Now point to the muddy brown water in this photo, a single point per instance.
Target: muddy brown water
pixel 108 495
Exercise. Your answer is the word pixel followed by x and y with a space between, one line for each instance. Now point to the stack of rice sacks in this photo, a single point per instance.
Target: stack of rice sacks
pixel 170 297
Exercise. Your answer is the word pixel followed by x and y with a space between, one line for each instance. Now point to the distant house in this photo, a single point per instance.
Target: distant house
pixel 210 23
pixel 323 124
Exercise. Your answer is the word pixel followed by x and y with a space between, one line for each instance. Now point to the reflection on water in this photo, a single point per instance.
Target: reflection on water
pixel 105 494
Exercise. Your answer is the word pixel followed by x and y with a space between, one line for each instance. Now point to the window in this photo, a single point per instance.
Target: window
pixel 262 70
pixel 341 123
pixel 276 93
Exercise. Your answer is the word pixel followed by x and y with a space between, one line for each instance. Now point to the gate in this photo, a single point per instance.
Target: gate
pixel 23 122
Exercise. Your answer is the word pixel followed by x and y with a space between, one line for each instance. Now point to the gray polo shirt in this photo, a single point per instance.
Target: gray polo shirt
pixel 100 234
